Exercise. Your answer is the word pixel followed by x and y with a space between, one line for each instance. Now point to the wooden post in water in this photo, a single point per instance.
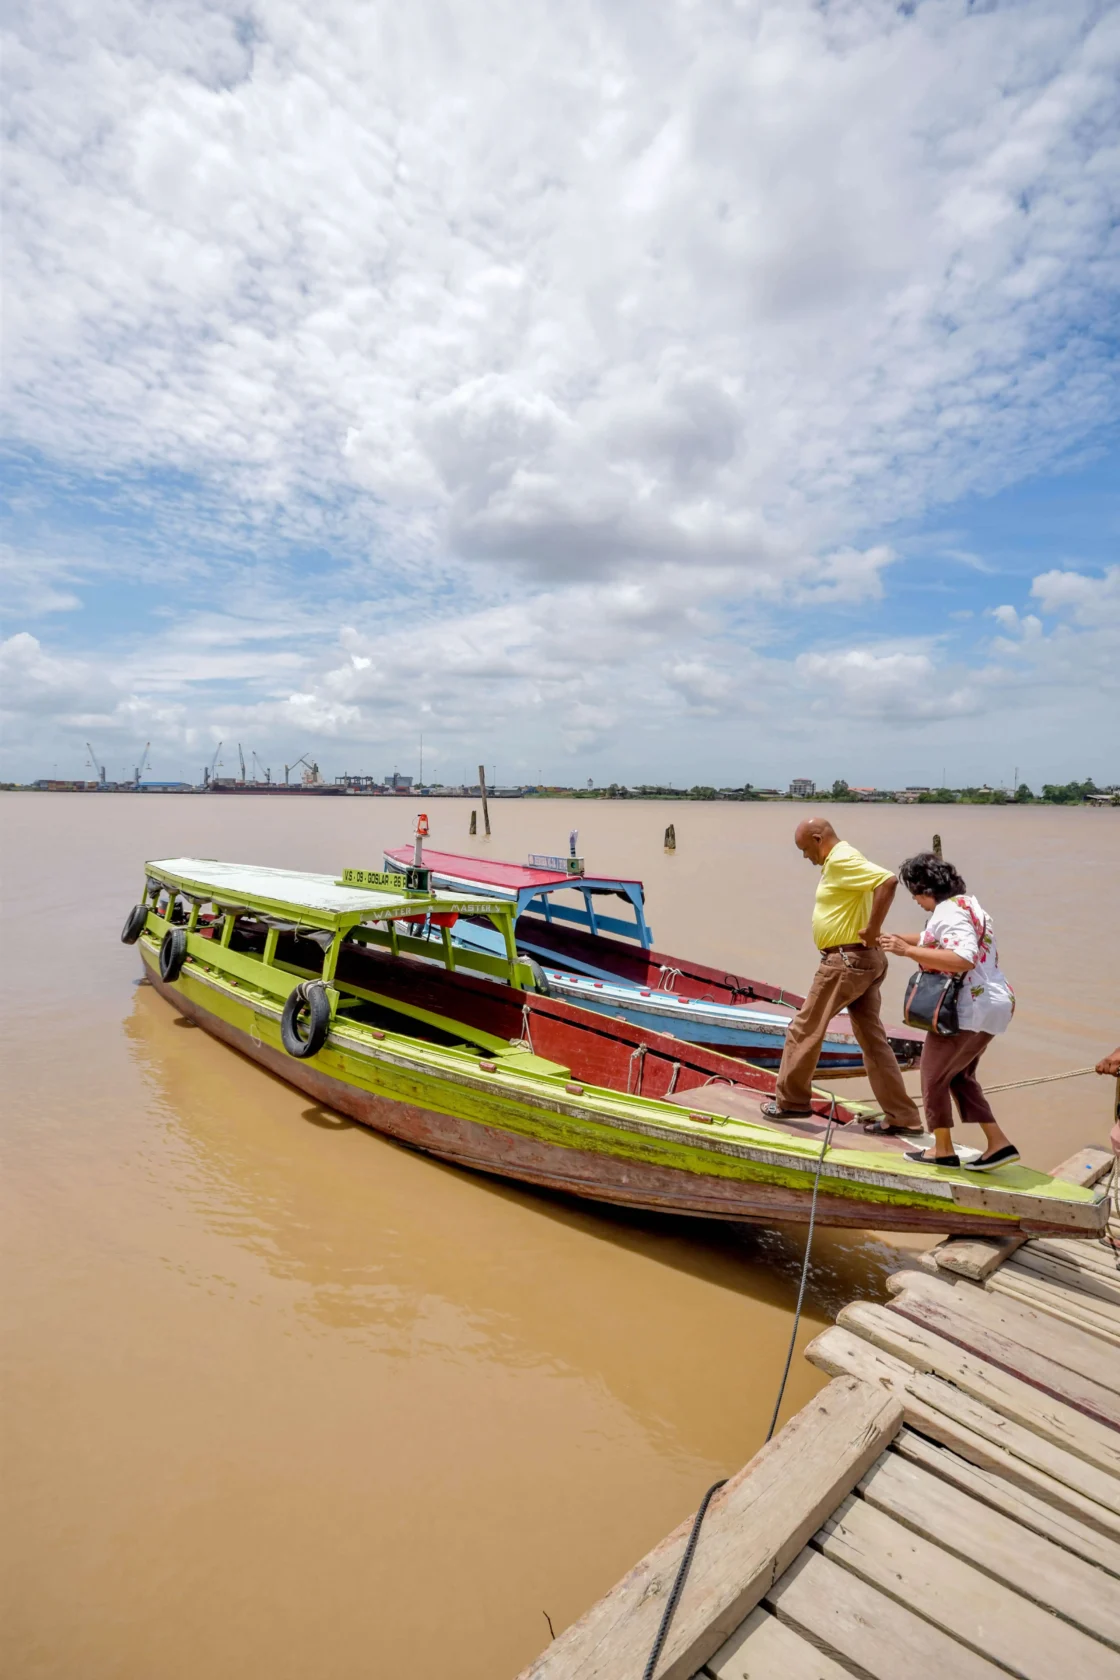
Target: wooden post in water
pixel 671 838
pixel 474 822
pixel 485 806
pixel 937 847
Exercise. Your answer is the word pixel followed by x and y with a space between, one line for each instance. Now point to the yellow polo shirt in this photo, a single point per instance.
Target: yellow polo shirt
pixel 843 902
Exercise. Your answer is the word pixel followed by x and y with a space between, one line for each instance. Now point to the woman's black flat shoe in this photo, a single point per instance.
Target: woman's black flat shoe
pixel 1005 1157
pixel 932 1160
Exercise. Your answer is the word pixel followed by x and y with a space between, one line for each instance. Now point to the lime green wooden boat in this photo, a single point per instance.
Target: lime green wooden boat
pixel 321 981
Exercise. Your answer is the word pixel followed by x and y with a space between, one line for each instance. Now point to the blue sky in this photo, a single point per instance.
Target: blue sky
pixel 683 392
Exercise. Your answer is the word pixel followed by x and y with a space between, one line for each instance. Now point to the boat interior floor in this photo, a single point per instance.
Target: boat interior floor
pixel 739 1103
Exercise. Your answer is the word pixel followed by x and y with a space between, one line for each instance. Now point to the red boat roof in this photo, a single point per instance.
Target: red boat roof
pixel 489 872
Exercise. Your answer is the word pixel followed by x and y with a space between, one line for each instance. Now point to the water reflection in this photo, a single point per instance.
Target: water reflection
pixel 412 1254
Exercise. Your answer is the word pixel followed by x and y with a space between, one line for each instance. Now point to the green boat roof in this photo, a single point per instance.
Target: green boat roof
pixel 319 900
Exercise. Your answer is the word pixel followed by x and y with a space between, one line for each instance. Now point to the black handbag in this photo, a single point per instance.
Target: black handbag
pixel 931 1001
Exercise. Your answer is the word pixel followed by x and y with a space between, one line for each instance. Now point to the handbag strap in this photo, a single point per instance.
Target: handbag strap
pixel 979 927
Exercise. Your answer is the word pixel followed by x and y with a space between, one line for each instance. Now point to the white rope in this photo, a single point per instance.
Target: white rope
pixel 989 1090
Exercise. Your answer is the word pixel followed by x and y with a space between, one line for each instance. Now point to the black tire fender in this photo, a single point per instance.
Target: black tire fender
pixel 306 1020
pixel 134 924
pixel 172 954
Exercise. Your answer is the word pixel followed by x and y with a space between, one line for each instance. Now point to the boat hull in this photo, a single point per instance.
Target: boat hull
pixel 395 1108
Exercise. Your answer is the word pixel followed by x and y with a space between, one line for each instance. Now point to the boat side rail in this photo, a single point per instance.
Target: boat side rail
pixel 596 922
pixel 465 957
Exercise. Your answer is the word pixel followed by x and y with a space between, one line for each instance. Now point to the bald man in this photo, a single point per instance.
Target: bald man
pixel 853 897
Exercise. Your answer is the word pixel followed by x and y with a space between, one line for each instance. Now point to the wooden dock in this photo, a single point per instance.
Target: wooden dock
pixel 947 1508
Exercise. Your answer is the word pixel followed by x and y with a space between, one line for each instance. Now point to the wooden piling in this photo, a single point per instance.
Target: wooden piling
pixel 937 847
pixel 671 838
pixel 474 822
pixel 485 806
pixel 948 1504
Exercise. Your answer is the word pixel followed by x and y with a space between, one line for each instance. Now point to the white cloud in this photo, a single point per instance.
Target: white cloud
pixel 901 687
pixel 569 285
pixel 1090 601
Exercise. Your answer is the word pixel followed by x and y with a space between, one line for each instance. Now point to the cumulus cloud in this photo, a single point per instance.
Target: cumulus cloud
pixel 575 353
pixel 1090 601
pixel 565 286
pixel 905 687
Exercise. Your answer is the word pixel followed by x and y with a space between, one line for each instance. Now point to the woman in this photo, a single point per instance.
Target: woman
pixel 958 938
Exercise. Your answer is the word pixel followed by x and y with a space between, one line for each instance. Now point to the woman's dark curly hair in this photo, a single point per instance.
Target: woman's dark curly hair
pixel 927 873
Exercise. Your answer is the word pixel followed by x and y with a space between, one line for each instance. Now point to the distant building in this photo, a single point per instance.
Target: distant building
pixel 802 788
pixel 396 783
pixel 911 795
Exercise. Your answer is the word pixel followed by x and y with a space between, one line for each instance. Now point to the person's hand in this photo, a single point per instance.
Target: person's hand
pixel 1110 1064
pixel 892 943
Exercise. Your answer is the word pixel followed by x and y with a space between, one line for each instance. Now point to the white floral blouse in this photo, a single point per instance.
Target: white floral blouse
pixel 986 1002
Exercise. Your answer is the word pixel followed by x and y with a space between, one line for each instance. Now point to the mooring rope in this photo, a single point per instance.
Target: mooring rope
pixel 989 1090
pixel 694 1534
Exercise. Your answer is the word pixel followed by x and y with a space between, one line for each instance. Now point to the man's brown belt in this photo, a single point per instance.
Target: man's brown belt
pixel 827 950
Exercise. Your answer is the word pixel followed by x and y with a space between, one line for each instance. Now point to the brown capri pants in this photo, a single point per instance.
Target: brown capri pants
pixel 949 1076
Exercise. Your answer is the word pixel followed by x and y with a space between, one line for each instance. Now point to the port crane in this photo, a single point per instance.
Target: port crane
pixel 142 766
pixel 96 766
pixel 215 762
pixel 260 769
pixel 303 759
pixel 241 756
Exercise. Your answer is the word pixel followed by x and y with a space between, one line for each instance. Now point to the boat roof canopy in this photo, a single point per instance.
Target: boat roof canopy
pixel 319 900
pixel 531 887
pixel 509 877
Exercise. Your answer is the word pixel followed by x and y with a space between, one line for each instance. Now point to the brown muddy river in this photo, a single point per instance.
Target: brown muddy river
pixel 281 1397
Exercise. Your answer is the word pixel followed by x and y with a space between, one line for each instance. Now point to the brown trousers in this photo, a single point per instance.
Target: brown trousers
pixel 850 980
pixel 949 1075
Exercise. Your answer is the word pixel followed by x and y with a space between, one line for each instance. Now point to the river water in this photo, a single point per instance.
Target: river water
pixel 281 1397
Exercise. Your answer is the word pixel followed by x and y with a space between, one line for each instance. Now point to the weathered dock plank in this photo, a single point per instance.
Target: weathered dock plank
pixel 1097 1443
pixel 1068 1304
pixel 982 1436
pixel 753 1530
pixel 986 1616
pixel 868 1628
pixel 1014 1499
pixel 958 1309
pixel 764 1648
pixel 1090 1279
pixel 995 1544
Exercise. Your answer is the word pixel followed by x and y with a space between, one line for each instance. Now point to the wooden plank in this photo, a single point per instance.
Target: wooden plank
pixel 1097 1443
pixel 1015 1501
pixel 1071 1308
pixel 754 1529
pixel 983 1614
pixel 868 1629
pixel 972 1257
pixel 976 1432
pixel 965 1328
pixel 1073 1351
pixel 766 1649
pixel 1102 1285
pixel 1088 1166
pixel 996 1545
pixel 1099 1256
